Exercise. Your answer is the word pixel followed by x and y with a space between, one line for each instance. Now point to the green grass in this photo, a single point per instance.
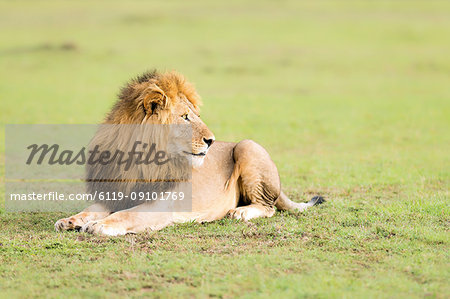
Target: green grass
pixel 351 99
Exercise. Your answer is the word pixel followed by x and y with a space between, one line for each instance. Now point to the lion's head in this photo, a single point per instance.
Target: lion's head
pixel 155 113
pixel 163 98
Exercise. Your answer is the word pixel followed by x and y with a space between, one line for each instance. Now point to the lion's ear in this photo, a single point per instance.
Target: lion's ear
pixel 154 99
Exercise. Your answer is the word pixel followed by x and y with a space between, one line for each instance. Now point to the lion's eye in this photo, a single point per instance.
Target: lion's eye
pixel 185 117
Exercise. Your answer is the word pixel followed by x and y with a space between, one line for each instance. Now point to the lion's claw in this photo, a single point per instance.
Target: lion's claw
pixel 68 224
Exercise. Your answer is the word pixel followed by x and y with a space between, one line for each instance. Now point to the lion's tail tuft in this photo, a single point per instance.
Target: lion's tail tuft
pixel 285 204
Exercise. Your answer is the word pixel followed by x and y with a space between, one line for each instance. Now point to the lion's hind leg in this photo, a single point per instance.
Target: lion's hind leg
pixel 251 211
pixel 258 181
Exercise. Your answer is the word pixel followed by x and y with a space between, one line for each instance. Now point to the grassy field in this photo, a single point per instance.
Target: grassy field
pixel 351 99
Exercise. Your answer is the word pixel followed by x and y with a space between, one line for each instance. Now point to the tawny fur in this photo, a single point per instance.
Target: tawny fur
pixel 230 174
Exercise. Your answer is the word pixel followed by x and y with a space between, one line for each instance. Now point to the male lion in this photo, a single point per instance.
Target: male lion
pixel 235 179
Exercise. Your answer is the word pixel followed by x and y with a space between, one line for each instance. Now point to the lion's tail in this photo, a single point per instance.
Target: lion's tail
pixel 285 204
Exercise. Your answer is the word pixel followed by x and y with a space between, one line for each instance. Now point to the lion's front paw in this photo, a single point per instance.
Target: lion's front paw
pixel 103 228
pixel 68 224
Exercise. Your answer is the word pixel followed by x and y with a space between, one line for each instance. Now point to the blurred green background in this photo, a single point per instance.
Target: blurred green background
pixel 351 99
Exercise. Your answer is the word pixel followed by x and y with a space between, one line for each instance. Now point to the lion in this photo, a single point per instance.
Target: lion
pixel 236 180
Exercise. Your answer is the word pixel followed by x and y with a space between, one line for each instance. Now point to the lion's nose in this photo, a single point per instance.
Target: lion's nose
pixel 208 141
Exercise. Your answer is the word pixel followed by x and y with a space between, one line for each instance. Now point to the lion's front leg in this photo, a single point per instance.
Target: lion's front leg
pixel 109 227
pixel 133 220
pixel 92 213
